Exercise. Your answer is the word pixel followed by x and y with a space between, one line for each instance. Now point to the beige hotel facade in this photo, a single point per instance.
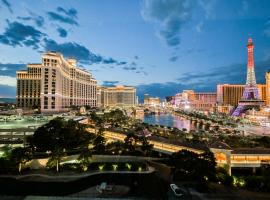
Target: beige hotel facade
pixel 55 85
pixel 117 96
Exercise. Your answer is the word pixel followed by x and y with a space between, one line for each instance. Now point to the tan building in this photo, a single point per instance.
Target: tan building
pixel 267 77
pixel 229 94
pixel 28 86
pixel 57 84
pixel 203 101
pixel 151 101
pixel 116 96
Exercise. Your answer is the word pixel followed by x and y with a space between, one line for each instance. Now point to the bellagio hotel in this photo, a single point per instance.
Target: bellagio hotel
pixel 55 85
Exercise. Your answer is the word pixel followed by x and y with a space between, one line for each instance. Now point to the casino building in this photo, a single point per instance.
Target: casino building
pixel 55 85
pixel 117 96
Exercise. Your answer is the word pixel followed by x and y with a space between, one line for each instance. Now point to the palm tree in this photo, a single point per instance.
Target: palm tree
pixel 55 158
pixel 20 156
pixel 84 156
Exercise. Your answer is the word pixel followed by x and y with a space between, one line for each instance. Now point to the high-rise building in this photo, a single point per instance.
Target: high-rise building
pixel 146 98
pixel 55 85
pixel 151 101
pixel 117 96
pixel 267 77
pixel 230 94
pixel 28 87
pixel 250 98
pixel 203 101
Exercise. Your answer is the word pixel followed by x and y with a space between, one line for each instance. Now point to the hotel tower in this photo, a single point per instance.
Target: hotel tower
pixel 55 85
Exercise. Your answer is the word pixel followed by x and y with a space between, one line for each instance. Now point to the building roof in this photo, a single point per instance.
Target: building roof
pixel 219 145
pixel 258 150
pixel 178 143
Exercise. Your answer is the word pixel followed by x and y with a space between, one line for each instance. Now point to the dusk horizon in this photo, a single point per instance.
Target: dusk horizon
pixel 196 45
pixel 139 99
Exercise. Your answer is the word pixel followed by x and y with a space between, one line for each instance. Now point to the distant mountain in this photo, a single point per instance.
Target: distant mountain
pixel 7 100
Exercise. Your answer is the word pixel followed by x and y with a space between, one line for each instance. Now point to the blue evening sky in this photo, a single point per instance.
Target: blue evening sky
pixel 159 46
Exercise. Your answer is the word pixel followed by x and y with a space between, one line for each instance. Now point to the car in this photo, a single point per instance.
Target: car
pixel 176 190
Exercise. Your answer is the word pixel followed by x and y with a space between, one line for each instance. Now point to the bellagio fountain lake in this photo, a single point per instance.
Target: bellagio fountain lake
pixel 169 120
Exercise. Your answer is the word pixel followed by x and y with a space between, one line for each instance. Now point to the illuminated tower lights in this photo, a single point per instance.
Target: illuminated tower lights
pixel 250 97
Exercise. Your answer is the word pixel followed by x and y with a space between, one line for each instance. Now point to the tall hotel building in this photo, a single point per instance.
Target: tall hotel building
pixel 203 101
pixel 118 96
pixel 28 86
pixel 229 95
pixel 55 85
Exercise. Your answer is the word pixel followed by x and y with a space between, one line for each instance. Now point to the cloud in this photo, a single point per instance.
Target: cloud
pixel 71 12
pixel 231 74
pixel 62 32
pixel 208 7
pixel 9 69
pixel 68 17
pixel 129 68
pixel 110 83
pixel 38 20
pixel 109 61
pixel 17 34
pixel 122 63
pixel 78 51
pixel 173 58
pixel 8 81
pixel 204 81
pixel 170 15
pixel 7 5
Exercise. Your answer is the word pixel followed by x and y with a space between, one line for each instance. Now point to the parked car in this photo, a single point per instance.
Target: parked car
pixel 176 190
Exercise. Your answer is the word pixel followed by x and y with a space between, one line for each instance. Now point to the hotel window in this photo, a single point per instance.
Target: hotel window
pixel 45 102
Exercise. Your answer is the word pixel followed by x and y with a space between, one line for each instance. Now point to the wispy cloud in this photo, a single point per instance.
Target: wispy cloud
pixel 64 16
pixel 170 15
pixel 232 74
pixel 38 20
pixel 62 32
pixel 69 12
pixel 7 5
pixel 18 34
pixel 8 81
pixel 78 51
pixel 9 69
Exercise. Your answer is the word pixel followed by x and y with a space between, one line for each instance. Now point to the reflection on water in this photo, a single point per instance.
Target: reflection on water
pixel 169 120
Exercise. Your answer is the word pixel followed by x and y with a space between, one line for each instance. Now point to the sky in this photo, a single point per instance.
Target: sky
pixel 159 46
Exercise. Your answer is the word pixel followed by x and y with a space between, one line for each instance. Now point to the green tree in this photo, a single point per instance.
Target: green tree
pixel 99 144
pixel 20 156
pixel 192 166
pixel 59 136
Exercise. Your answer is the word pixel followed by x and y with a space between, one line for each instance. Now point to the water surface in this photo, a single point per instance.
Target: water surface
pixel 169 120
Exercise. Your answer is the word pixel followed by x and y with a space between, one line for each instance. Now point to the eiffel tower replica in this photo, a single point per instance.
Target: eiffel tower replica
pixel 250 98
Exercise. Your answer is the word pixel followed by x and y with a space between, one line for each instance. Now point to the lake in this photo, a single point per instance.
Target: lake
pixel 169 120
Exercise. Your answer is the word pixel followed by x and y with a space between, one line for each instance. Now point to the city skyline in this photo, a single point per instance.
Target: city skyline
pixel 196 45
